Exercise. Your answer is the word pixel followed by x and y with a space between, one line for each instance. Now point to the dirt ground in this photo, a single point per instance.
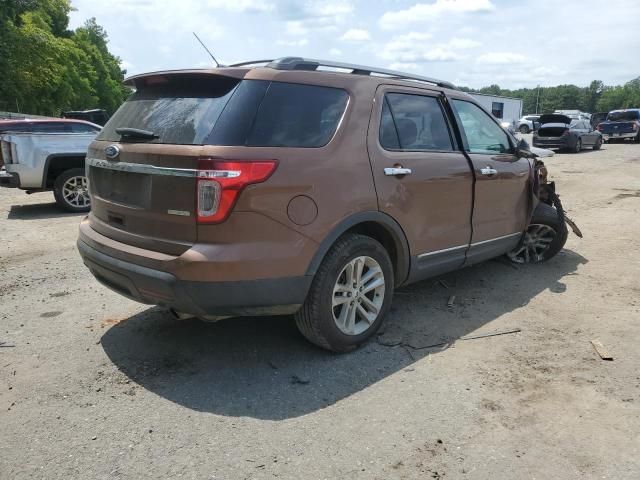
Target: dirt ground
pixel 95 386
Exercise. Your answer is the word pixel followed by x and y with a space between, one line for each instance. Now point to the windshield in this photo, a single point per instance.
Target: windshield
pixel 623 116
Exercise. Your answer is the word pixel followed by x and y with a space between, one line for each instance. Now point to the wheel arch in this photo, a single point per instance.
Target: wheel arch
pixel 57 163
pixel 378 226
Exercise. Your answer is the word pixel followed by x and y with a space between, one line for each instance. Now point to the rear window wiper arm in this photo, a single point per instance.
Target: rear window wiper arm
pixel 135 132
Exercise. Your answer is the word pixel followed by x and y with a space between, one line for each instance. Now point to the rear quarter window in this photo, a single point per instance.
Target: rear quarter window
pixel 294 115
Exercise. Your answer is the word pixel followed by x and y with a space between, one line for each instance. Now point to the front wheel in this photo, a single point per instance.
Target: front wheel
pixel 349 295
pixel 71 191
pixel 544 238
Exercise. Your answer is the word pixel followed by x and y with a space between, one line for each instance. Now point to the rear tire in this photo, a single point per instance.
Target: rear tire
pixel 598 144
pixel 545 237
pixel 333 314
pixel 578 146
pixel 71 191
pixel 524 129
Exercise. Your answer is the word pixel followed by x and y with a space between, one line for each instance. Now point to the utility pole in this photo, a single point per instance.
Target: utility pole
pixel 538 99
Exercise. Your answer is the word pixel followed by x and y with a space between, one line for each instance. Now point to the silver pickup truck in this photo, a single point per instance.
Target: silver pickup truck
pixel 37 162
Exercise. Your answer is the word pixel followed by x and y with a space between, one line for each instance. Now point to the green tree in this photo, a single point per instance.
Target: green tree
pixel 45 68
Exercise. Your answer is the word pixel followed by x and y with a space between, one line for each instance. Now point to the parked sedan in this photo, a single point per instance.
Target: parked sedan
pixel 564 133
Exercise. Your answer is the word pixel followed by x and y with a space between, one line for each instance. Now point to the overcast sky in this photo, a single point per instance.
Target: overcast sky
pixel 469 42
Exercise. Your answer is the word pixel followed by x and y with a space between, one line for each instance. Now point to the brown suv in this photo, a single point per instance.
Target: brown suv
pixel 308 188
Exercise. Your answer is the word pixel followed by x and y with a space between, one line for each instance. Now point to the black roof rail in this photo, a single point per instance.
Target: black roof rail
pixel 308 64
pixel 251 62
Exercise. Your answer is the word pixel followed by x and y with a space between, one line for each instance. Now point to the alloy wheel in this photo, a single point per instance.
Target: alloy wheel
pixel 536 242
pixel 358 295
pixel 75 192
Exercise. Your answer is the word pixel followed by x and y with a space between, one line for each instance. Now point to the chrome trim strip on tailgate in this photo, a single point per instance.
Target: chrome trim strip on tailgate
pixel 141 168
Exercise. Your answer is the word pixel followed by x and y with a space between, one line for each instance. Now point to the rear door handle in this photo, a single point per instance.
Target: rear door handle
pixel 393 171
pixel 488 171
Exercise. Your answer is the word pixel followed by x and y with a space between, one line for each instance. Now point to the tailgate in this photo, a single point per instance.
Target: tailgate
pixel 146 196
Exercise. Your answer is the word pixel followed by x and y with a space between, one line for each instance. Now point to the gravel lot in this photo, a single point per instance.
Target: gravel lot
pixel 95 386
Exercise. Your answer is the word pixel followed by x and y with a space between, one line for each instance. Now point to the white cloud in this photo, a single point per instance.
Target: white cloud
pixel 293 43
pixel 422 12
pixel 419 47
pixel 336 52
pixel 463 43
pixel 404 66
pixel 296 27
pixel 241 6
pixel 501 58
pixel 356 35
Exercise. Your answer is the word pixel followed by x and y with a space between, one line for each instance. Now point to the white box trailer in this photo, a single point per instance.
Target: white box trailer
pixel 506 109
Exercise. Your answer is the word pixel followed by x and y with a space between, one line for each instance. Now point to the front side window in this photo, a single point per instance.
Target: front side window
pixel 418 121
pixel 483 134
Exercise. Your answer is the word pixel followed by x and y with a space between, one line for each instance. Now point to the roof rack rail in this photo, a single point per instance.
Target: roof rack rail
pixel 251 62
pixel 308 64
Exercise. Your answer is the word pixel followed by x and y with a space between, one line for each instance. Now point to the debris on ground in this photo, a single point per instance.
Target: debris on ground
pixel 299 380
pixel 6 345
pixel 451 301
pixel 600 350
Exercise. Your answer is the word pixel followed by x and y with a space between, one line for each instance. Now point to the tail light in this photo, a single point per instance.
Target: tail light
pixel 220 182
pixel 566 133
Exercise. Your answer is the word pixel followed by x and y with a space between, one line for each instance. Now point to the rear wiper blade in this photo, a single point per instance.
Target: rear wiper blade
pixel 135 132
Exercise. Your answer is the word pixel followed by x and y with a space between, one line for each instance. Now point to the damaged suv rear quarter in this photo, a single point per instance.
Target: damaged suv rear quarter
pixel 284 189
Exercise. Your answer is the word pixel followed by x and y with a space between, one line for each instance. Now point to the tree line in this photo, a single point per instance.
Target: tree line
pixel 597 97
pixel 45 68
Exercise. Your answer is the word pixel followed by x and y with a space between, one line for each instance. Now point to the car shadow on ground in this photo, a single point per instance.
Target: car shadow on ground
pixel 263 368
pixel 38 211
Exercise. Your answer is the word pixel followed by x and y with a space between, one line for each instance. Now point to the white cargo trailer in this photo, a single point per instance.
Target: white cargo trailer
pixel 506 109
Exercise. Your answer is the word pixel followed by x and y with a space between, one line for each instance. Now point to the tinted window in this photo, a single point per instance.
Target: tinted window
pixel 482 133
pixel 497 109
pixel 83 128
pixel 623 116
pixel 293 115
pixel 419 122
pixel 181 110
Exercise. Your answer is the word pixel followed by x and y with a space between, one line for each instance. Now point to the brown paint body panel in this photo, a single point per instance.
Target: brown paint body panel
pixel 433 204
pixel 265 237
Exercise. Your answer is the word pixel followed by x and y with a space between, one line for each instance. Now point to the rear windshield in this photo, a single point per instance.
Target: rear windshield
pixel 210 110
pixel 623 116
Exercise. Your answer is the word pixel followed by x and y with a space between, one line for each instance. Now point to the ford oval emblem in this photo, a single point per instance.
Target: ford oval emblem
pixel 112 151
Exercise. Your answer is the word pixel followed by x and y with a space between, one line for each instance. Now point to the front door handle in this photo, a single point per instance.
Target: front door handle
pixel 393 171
pixel 488 171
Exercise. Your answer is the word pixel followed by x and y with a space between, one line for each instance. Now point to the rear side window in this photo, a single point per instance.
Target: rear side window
pixel 418 121
pixel 623 116
pixel 293 115
pixel 212 110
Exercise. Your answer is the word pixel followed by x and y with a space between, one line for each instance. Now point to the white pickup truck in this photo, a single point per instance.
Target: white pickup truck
pixel 37 162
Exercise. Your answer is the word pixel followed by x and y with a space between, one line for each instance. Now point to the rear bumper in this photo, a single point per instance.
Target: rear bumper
pixel 275 296
pixel 563 142
pixel 608 136
pixel 9 179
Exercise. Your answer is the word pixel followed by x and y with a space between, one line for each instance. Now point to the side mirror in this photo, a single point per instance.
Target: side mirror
pixel 523 150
